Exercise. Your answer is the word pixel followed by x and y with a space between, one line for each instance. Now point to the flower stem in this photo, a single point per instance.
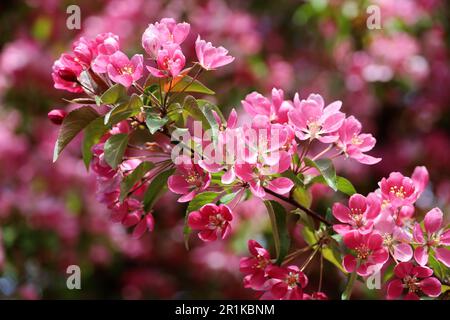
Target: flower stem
pixel 350 283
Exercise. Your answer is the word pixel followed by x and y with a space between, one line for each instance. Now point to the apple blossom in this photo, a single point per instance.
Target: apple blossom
pixel 359 214
pixel 415 279
pixel 370 255
pixel 210 57
pixel 212 221
pixel 286 283
pixel 123 70
pixel 166 32
pixel 254 268
pixel 189 179
pixel 312 120
pixel 354 144
pixel 435 239
pixel 170 61
pixel 276 110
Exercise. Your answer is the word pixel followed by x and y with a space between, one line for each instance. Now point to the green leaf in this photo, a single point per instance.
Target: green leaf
pixel 135 102
pixel 309 235
pixel 115 148
pixel 130 180
pixel 154 122
pixel 201 199
pixel 345 186
pixel 333 256
pixel 190 106
pixel 228 197
pixel 72 124
pixel 187 85
pixel 326 168
pixel 92 134
pixel 278 217
pixel 124 110
pixel 302 196
pixel 115 94
pixel 156 188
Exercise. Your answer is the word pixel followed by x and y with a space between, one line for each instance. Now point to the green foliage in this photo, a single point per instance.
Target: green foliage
pixel 188 84
pixel 278 218
pixel 156 188
pixel 115 148
pixel 115 94
pixel 72 124
pixel 326 169
pixel 130 180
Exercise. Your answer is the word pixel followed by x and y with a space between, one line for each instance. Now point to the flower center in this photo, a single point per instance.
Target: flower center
pixel 216 221
pixel 292 280
pixel 388 241
pixel 399 192
pixel 127 70
pixel 356 140
pixel 411 283
pixel 363 252
pixel 194 178
pixel 314 128
pixel 262 262
pixel 357 217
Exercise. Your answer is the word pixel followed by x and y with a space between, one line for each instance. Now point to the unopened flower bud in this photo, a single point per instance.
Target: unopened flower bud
pixel 57 116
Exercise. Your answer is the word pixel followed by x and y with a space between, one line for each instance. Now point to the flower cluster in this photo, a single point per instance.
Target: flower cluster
pixel 132 123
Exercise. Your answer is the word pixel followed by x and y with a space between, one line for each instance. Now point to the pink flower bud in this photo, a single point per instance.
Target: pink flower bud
pixel 57 116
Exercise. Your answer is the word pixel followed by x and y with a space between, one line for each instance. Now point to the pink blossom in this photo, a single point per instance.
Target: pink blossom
pixel 210 57
pixel 276 110
pixel 396 239
pixel 286 283
pixel 123 70
pixel 107 44
pixel 65 73
pixel 370 255
pixel 359 215
pixel 166 32
pixel 170 61
pixel 57 116
pixel 188 180
pixel 398 190
pixel 315 296
pixel 415 279
pixel 213 221
pixel 146 223
pixel 255 267
pixel 353 144
pixel 84 50
pixel 259 177
pixel 435 239
pixel 312 121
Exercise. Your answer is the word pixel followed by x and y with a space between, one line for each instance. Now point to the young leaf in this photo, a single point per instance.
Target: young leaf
pixel 302 196
pixel 92 134
pixel 345 186
pixel 130 180
pixel 201 199
pixel 115 94
pixel 228 197
pixel 154 122
pixel 278 217
pixel 115 148
pixel 156 188
pixel 72 124
pixel 326 168
pixel 188 84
